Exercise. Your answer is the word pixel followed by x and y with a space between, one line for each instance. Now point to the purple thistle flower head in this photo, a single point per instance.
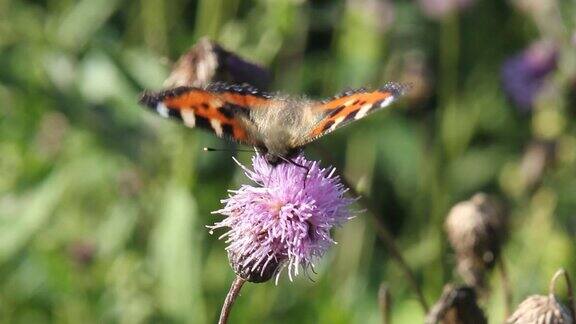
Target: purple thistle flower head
pixel 524 74
pixel 284 221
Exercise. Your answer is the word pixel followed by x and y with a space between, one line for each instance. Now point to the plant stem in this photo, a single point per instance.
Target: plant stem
pixel 385 303
pixel 506 288
pixel 230 299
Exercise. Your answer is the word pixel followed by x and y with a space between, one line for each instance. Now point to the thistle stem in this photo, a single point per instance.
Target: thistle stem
pixel 230 299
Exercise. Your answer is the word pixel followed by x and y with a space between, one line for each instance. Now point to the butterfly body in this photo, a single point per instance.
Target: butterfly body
pixel 278 126
pixel 283 126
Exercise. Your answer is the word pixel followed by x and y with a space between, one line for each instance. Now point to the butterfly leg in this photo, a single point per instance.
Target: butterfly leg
pixel 296 164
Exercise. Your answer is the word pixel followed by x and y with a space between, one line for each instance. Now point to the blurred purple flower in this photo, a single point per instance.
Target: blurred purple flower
pixel 285 221
pixel 438 9
pixel 523 75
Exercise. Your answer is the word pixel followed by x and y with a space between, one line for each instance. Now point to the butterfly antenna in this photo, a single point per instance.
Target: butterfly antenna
pixel 211 149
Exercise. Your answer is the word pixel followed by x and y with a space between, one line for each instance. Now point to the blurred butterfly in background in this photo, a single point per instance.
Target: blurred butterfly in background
pixel 278 126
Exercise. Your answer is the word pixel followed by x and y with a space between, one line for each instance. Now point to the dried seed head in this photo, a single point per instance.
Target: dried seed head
pixel 541 309
pixel 476 229
pixel 457 305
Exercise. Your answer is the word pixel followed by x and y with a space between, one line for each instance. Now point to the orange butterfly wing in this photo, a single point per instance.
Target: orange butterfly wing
pixel 225 110
pixel 221 109
pixel 354 105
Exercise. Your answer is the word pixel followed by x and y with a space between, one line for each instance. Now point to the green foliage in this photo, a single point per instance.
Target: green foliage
pixel 103 206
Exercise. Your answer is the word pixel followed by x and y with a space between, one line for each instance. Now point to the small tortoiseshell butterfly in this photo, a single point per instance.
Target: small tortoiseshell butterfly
pixel 277 126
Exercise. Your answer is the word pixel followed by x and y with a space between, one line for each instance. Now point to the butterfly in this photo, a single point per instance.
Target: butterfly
pixel 277 126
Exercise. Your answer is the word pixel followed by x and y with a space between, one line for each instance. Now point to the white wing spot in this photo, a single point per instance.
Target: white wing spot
pixel 162 110
pixel 189 117
pixel 336 122
pixel 387 101
pixel 363 110
pixel 217 126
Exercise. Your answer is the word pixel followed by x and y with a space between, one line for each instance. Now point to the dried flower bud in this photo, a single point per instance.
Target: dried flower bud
pixel 476 230
pixel 207 62
pixel 456 305
pixel 254 271
pixel 541 309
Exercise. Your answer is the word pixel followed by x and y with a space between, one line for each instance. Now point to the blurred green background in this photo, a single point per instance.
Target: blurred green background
pixel 103 205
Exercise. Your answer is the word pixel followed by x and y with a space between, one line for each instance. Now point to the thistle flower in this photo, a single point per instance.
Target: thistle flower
pixel 524 75
pixel 284 221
